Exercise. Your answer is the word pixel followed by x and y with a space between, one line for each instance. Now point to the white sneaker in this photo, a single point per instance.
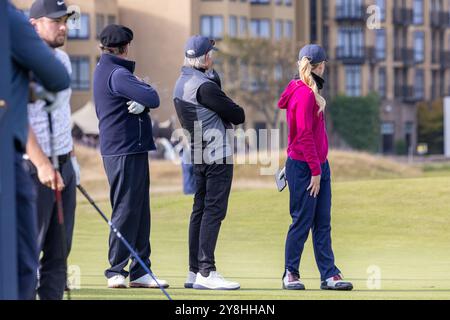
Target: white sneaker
pixel 147 281
pixel 292 282
pixel 214 282
pixel 117 282
pixel 189 284
pixel 336 283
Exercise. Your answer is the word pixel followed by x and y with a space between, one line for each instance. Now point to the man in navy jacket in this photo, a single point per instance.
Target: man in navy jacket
pixel 28 54
pixel 122 104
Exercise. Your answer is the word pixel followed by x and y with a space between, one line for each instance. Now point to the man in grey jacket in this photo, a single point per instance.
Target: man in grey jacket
pixel 206 113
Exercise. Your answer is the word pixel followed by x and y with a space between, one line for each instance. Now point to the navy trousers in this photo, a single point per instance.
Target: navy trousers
pixel 53 267
pixel 28 260
pixel 213 185
pixel 309 213
pixel 129 180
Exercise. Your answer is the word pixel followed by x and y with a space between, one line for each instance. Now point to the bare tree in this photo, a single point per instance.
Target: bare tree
pixel 255 72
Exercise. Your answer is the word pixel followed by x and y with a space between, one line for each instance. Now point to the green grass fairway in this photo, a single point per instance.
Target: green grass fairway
pixel 401 226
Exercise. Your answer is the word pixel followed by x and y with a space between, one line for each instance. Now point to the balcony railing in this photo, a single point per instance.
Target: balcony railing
pixel 437 92
pixel 408 94
pixel 373 56
pixel 445 59
pixel 404 55
pixel 351 55
pixel 350 13
pixel 439 19
pixel 403 16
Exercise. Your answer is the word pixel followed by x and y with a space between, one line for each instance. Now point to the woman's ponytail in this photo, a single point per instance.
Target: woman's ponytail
pixel 305 72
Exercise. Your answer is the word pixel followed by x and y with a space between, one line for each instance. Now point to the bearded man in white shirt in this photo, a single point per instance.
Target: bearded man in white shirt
pixel 49 18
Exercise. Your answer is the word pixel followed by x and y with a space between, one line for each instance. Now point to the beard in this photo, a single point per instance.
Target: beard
pixel 57 42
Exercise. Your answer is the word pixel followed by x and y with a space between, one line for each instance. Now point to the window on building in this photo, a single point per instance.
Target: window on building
pixel 260 1
pixel 278 29
pixel 418 12
pixel 101 21
pixel 80 73
pixel 233 27
pixel 419 46
pixel 288 29
pixel 380 52
pixel 212 26
pixel 243 26
pixel 260 28
pixel 353 81
pixel 83 32
pixel 350 8
pixel 382 82
pixel 419 85
pixel 351 40
pixel 111 19
pixel 100 24
pixel 382 6
pixel 325 9
pixel 313 21
pixel 326 38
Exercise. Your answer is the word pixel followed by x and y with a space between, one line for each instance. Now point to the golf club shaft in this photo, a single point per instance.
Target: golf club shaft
pixel 123 240
pixel 58 198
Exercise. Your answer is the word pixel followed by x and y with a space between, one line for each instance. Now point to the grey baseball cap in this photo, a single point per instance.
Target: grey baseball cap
pixel 314 53
pixel 198 46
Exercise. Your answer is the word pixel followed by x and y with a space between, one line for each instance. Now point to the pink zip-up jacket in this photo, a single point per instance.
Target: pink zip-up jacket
pixel 308 140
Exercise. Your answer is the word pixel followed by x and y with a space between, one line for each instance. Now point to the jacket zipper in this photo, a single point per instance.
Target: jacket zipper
pixel 140 130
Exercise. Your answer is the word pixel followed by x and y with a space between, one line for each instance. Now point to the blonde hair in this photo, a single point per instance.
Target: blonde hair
pixel 305 71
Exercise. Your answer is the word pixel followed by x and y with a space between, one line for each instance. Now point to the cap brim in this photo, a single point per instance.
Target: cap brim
pixel 59 14
pixel 213 43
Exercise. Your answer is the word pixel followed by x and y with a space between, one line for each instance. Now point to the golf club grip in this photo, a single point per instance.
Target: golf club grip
pixel 92 202
pixel 58 195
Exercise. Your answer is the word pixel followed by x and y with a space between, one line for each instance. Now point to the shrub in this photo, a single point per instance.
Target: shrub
pixel 357 121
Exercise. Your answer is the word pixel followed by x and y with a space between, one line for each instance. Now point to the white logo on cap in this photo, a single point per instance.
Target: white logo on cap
pixel 191 52
pixel 60 3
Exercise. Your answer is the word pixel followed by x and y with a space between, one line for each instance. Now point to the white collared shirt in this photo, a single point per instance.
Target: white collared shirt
pixel 62 125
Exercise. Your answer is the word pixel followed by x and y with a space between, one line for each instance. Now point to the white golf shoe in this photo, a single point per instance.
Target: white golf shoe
pixel 336 283
pixel 292 281
pixel 147 281
pixel 189 284
pixel 117 282
pixel 214 282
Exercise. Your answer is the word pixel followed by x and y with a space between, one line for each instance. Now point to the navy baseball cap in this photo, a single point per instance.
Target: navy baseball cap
pixel 114 36
pixel 198 46
pixel 53 9
pixel 314 53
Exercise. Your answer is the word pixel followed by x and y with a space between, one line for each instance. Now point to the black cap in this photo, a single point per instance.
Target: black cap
pixel 53 9
pixel 114 36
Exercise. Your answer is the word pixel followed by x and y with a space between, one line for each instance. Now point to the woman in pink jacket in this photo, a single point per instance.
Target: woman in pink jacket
pixel 308 173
